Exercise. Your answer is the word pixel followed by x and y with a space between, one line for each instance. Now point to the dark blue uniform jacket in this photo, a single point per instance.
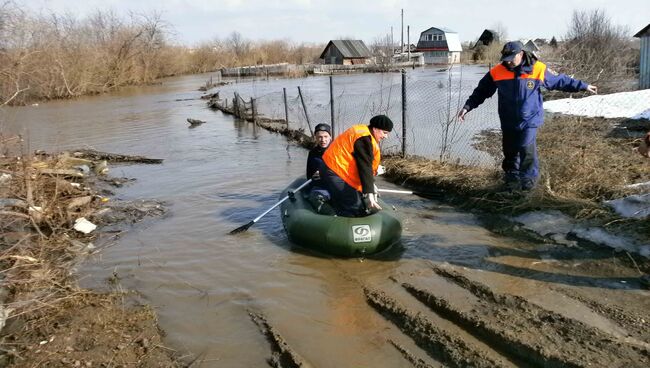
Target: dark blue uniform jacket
pixel 520 98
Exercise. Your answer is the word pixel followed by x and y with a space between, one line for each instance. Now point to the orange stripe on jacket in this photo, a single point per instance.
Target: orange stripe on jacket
pixel 338 156
pixel 500 72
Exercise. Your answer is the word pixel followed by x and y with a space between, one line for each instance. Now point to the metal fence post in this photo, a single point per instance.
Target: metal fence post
pixel 332 106
pixel 286 107
pixel 403 113
pixel 311 133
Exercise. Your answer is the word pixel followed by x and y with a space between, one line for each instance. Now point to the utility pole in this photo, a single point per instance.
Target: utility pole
pixel 402 47
pixel 392 43
pixel 408 41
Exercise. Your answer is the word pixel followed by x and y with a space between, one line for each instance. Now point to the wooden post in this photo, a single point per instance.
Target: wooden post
pixel 311 132
pixel 253 110
pixel 286 107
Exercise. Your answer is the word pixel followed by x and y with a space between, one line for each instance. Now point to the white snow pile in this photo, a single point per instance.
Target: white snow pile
pixel 633 105
pixel 558 226
pixel 636 206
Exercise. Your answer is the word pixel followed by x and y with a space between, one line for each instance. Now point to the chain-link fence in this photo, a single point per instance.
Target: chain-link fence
pixel 422 103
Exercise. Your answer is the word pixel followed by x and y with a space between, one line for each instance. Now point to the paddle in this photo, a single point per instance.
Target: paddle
pixel 421 194
pixel 243 228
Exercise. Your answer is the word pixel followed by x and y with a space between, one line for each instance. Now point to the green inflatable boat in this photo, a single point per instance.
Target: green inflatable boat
pixel 335 235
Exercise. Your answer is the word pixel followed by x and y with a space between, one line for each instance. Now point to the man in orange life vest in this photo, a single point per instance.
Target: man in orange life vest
pixel 518 79
pixel 350 164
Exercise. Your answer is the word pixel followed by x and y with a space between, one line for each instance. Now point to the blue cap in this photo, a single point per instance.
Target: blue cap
pixel 510 50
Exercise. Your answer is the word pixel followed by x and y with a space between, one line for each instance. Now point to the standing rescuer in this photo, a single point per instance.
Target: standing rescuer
pixel 350 164
pixel 519 79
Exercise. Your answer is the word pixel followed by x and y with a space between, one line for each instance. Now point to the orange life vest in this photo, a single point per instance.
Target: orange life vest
pixel 500 72
pixel 338 156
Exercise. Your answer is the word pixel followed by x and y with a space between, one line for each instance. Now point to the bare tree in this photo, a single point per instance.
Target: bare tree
pixel 153 30
pixel 595 46
pixel 12 72
pixel 238 45
pixel 500 32
pixel 48 56
pixel 382 51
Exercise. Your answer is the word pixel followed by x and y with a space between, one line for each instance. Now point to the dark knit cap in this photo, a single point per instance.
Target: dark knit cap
pixel 382 122
pixel 322 127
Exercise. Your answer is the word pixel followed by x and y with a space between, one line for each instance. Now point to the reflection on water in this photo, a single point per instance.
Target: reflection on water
pixel 215 178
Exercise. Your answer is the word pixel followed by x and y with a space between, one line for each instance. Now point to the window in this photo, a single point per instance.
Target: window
pixel 436 54
pixel 433 37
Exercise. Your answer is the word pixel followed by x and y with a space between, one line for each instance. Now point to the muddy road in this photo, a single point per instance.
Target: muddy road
pixel 452 294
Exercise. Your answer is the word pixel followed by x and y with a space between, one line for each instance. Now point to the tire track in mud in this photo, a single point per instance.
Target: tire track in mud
pixel 282 355
pixel 525 331
pixel 417 362
pixel 635 324
pixel 439 344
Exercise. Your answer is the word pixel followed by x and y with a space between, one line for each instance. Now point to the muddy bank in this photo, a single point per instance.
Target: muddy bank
pixel 55 210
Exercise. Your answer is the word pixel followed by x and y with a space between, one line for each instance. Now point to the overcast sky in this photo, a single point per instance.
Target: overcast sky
pixel 195 21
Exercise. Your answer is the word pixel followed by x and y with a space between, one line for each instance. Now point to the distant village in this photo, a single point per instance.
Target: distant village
pixel 434 46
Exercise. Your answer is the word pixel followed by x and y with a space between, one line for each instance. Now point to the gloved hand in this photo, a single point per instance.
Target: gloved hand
pixel 381 170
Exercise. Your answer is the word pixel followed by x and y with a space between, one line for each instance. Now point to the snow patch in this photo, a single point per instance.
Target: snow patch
pixel 635 206
pixel 633 105
pixel 640 186
pixel 558 226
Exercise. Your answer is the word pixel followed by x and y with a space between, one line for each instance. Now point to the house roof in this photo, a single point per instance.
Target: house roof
pixel 453 42
pixel 488 33
pixel 643 32
pixel 530 45
pixel 446 30
pixel 349 48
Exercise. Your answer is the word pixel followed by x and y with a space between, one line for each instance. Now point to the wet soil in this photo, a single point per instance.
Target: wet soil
pixel 90 330
pixel 469 324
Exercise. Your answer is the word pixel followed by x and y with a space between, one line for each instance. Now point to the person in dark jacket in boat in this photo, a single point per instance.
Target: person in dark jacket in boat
pixel 518 79
pixel 350 164
pixel 322 138
pixel 318 194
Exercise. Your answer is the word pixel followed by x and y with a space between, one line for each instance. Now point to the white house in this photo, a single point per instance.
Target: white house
pixel 440 46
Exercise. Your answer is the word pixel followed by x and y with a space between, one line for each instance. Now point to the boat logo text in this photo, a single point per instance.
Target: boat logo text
pixel 361 233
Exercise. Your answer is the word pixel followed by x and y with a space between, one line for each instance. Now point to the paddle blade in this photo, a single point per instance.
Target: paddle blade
pixel 241 229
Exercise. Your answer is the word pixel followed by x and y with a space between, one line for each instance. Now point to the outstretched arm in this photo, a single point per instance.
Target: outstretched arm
pixel 562 82
pixel 485 89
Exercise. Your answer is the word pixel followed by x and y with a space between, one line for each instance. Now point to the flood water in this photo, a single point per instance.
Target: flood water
pixel 216 177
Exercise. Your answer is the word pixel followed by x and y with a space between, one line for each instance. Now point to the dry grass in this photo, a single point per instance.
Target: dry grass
pixel 38 245
pixel 38 250
pixel 584 161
